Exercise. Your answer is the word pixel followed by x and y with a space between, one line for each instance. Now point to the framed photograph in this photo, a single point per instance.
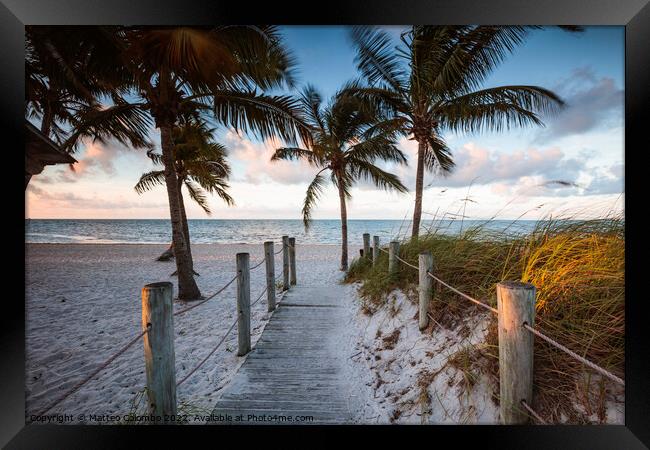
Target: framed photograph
pixel 381 218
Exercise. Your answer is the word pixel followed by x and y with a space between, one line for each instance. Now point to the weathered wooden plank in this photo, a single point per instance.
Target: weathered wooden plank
pixel 425 285
pixel 292 260
pixel 243 304
pixel 158 318
pixel 269 259
pixel 294 369
pixel 516 305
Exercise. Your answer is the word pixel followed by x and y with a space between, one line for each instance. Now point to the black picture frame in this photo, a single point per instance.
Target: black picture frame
pixel 633 14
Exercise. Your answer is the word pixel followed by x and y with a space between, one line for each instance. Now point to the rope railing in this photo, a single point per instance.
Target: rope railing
pixel 462 294
pixel 158 300
pixel 222 340
pixel 216 347
pixel 532 412
pixel 260 297
pixel 102 366
pixel 183 311
pixel 407 263
pixel 162 385
pixel 258 264
pixel 574 355
pixel 534 331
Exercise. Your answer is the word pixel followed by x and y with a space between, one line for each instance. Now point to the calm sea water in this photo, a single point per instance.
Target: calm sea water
pixel 209 231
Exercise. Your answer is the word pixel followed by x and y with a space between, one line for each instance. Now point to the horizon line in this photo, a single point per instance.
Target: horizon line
pixel 313 220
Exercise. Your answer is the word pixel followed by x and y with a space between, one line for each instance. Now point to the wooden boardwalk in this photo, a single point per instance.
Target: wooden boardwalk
pixel 295 369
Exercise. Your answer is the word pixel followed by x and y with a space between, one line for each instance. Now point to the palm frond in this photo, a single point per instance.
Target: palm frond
pixel 294 154
pixel 314 191
pixel 223 194
pixel 498 108
pixel 125 122
pixel 198 195
pixel 311 101
pixel 386 102
pixel 470 56
pixel 343 179
pixel 149 181
pixel 263 115
pixel 348 117
pixel 212 184
pixel 437 156
pixel 392 127
pixel 261 53
pixel 362 169
pixel 377 147
pixel 156 158
pixel 376 58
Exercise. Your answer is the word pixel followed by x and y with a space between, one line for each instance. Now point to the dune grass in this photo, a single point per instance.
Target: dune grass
pixel 578 268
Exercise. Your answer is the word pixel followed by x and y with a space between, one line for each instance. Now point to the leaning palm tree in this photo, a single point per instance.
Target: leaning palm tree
pixel 346 143
pixel 431 83
pixel 215 71
pixel 201 167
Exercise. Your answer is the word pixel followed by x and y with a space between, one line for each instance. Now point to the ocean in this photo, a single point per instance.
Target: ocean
pixel 214 231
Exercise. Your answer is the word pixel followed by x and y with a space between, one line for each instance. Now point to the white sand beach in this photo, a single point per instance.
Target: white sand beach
pixel 83 303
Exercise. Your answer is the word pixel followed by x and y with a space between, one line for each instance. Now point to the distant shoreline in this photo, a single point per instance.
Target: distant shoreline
pixel 227 231
pixel 285 220
pixel 163 244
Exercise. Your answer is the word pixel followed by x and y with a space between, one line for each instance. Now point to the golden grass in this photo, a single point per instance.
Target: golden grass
pixel 578 268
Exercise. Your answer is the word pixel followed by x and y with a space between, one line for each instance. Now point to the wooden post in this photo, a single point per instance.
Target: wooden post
pixel 393 252
pixel 361 252
pixel 425 260
pixel 160 366
pixel 243 303
pixel 285 263
pixel 366 245
pixel 292 260
pixel 516 306
pixel 375 249
pixel 269 258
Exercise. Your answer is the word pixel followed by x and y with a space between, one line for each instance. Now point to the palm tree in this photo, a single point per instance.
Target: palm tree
pixel 431 83
pixel 201 167
pixel 181 71
pixel 74 88
pixel 346 144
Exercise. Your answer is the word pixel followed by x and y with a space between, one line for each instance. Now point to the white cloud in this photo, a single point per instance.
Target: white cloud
pixel 479 166
pixel 95 158
pixel 591 102
pixel 257 168
pixel 68 199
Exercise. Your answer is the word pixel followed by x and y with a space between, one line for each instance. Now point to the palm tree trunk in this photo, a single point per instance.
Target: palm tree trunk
pixel 344 229
pixel 419 184
pixel 186 228
pixel 187 288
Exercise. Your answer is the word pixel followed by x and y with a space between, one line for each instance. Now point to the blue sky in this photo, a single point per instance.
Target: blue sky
pixel 508 174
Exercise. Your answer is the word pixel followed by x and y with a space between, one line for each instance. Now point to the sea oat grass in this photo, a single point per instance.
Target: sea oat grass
pixel 578 268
